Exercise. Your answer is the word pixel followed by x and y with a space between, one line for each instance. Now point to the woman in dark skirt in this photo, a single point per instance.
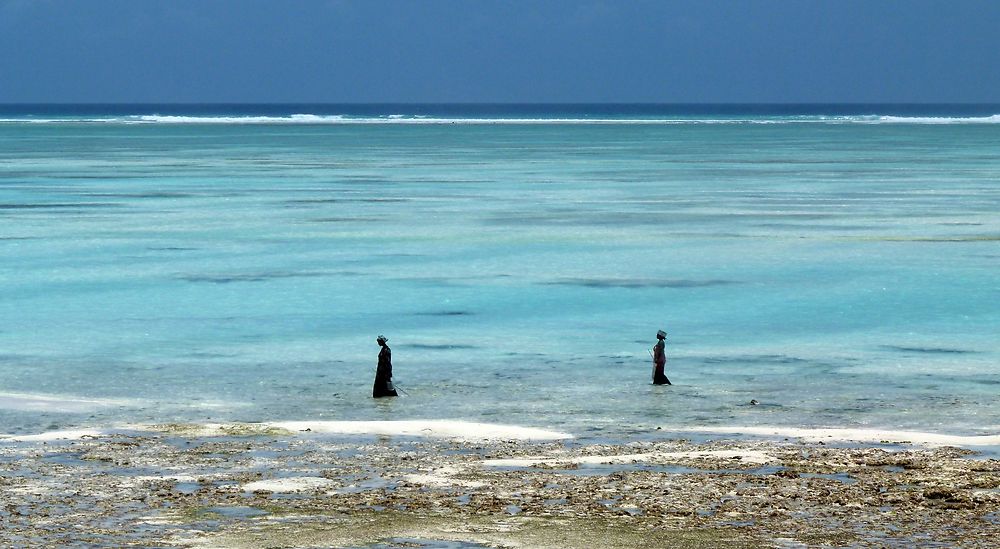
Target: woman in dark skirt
pixel 660 360
pixel 383 373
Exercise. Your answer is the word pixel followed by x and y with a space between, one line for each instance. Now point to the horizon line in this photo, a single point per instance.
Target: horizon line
pixel 510 103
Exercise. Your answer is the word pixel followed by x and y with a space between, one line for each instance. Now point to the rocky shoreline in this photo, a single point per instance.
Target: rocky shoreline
pixel 253 486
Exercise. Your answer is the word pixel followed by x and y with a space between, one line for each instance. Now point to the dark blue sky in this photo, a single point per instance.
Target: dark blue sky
pixel 499 51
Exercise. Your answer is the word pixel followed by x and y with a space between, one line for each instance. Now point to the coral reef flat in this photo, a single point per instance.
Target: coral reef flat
pixel 254 485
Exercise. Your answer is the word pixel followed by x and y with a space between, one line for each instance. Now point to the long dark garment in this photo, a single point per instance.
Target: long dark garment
pixel 660 361
pixel 383 375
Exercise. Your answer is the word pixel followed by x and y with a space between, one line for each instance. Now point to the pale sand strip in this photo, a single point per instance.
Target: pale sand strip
pixel 754 457
pixel 180 477
pixel 470 431
pixel 440 478
pixel 449 429
pixel 459 430
pixel 289 484
pixel 854 435
pixel 75 434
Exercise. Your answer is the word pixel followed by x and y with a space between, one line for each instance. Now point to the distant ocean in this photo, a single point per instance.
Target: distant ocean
pixel 839 264
pixel 616 114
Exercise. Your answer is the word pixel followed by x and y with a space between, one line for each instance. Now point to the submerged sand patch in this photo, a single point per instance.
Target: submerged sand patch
pixel 46 403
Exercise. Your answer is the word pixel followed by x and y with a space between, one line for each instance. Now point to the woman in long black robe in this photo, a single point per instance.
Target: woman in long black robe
pixel 383 372
pixel 660 360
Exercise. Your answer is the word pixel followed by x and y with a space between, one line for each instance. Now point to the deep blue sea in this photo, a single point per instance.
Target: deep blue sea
pixel 840 264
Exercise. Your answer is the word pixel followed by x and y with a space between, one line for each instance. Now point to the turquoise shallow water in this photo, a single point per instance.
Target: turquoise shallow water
pixel 842 272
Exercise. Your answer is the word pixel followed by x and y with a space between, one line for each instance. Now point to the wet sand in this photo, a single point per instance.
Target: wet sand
pixel 255 485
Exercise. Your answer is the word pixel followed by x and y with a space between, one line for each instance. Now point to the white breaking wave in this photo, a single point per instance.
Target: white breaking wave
pixel 403 119
pixel 62 120
pixel 291 119
pixel 995 119
pixel 396 119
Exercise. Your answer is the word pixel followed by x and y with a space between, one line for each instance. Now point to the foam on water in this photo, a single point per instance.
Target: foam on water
pixel 405 119
pixel 995 119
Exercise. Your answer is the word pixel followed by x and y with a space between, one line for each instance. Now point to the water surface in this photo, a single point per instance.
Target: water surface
pixel 169 265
